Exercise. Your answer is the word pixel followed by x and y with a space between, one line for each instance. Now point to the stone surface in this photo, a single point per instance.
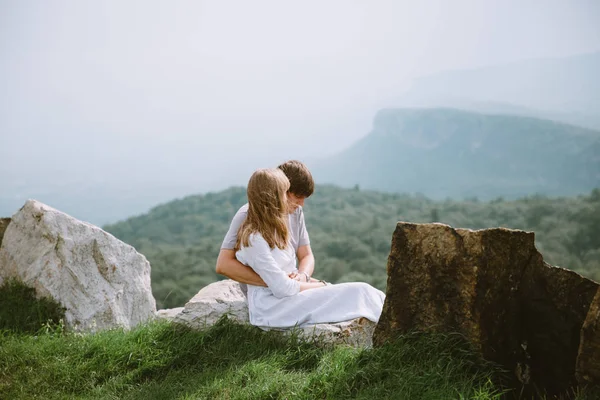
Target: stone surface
pixel 226 297
pixel 102 282
pixel 212 302
pixel 356 333
pixel 3 225
pixel 588 359
pixel 169 313
pixel 554 303
pixel 493 287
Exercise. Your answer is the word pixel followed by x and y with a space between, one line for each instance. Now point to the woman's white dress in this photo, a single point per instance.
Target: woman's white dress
pixel 282 305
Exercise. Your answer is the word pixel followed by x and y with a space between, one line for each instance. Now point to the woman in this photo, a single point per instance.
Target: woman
pixel 262 244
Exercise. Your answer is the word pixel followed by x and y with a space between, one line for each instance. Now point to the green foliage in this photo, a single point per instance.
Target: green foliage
pixel 351 233
pixel 21 311
pixel 229 361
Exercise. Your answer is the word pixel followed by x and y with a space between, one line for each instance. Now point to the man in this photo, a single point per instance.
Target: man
pixel 301 187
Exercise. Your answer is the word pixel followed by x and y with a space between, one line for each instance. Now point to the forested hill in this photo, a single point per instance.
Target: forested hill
pixel 350 232
pixel 451 153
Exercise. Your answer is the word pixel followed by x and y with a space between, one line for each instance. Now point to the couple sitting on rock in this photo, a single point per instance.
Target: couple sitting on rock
pixel 260 249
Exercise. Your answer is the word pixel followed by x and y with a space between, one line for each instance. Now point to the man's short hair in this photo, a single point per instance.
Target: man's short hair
pixel 301 180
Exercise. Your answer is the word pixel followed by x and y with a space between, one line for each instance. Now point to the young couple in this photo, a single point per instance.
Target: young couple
pixel 260 249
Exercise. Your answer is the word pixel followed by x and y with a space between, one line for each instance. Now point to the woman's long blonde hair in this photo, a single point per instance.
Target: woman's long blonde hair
pixel 267 209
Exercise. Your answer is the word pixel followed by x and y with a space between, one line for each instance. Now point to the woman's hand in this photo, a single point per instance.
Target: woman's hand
pixel 300 277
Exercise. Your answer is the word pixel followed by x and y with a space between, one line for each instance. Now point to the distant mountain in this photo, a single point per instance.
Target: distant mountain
pixel 563 89
pixel 453 153
pixel 499 108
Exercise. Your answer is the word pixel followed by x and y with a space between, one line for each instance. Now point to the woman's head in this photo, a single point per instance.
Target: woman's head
pixel 267 190
pixel 267 208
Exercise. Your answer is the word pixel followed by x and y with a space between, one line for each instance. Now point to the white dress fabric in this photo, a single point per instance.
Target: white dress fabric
pixel 282 305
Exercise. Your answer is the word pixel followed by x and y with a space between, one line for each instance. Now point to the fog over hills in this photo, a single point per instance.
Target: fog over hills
pixel 440 152
pixel 109 108
pixel 564 89
pixel 565 84
pixel 527 127
pixel 458 154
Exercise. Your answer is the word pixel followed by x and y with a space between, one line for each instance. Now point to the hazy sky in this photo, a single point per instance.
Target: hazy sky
pixel 109 90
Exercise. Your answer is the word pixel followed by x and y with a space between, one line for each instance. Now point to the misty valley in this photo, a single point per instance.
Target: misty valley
pixel 514 130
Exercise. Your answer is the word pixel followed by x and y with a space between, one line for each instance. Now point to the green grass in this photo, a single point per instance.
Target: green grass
pixel 229 361
pixel 20 311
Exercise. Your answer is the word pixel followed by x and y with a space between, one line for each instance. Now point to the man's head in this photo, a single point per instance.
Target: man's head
pixel 302 184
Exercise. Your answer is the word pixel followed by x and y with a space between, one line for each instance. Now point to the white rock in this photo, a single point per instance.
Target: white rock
pixel 356 332
pixel 212 302
pixel 169 313
pixel 226 297
pixel 102 282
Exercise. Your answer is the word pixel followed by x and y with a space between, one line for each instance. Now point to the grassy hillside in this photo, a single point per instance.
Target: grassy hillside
pixel 350 232
pixel 228 361
pixel 451 153
pixel 159 360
